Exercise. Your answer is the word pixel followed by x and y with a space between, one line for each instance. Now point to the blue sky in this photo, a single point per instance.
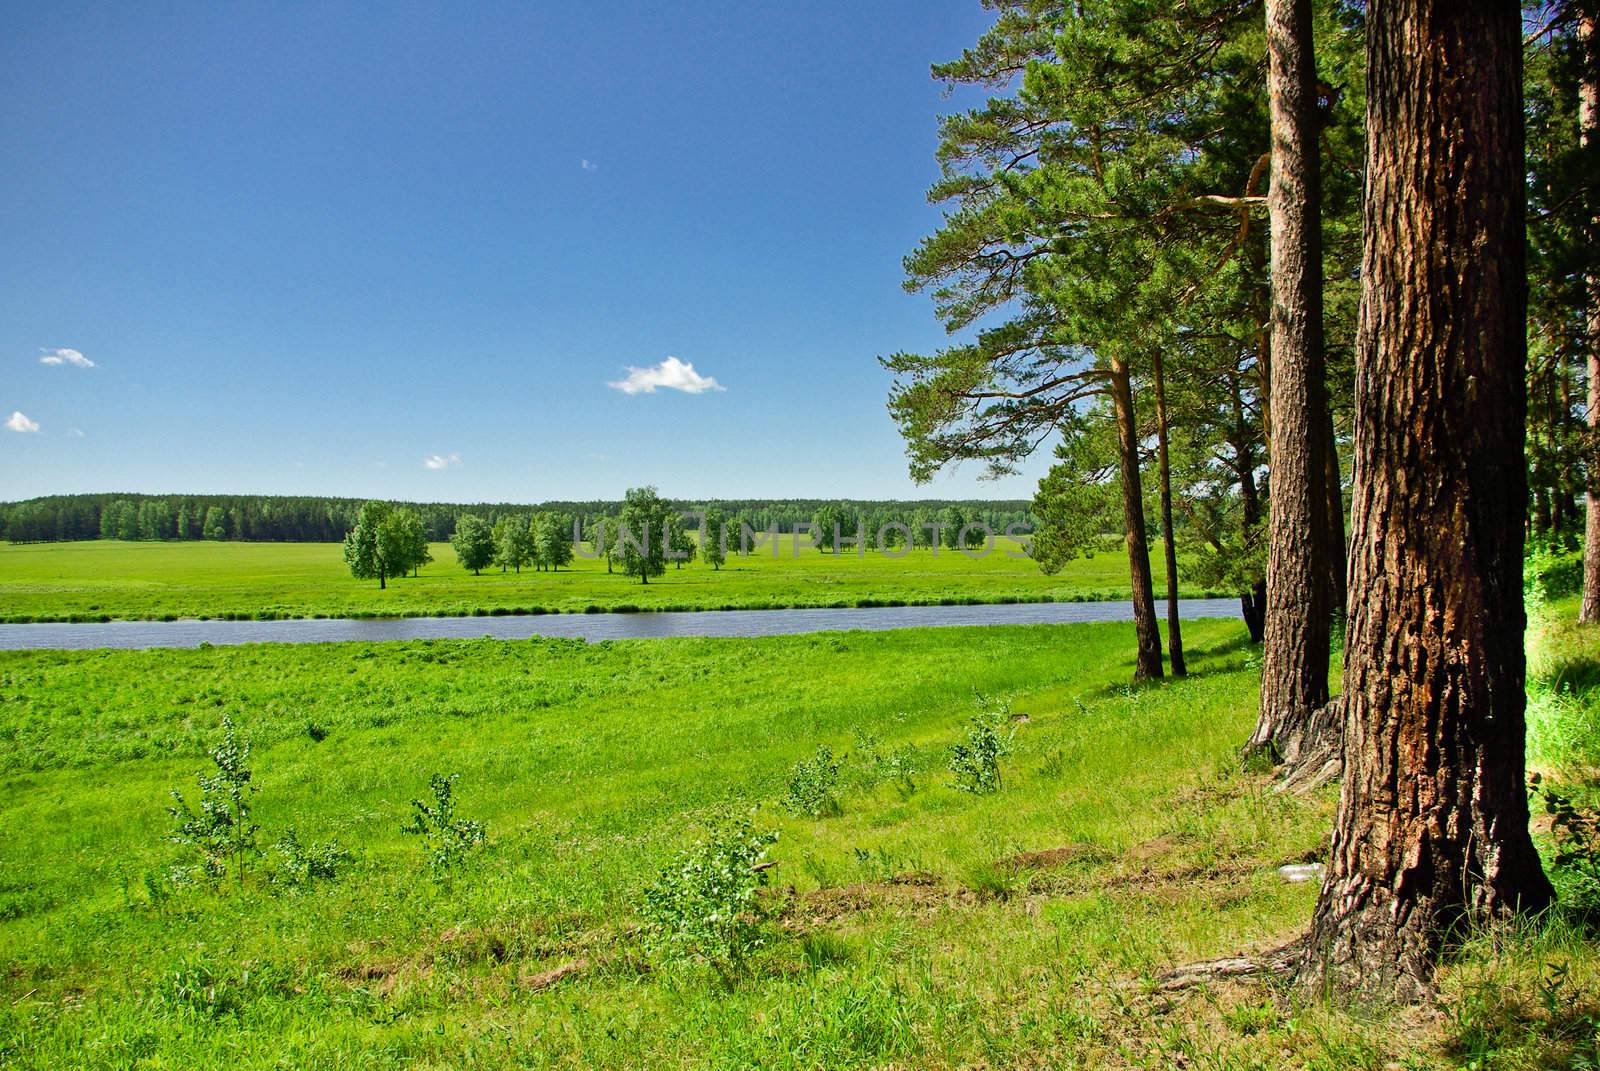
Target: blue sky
pixel 414 250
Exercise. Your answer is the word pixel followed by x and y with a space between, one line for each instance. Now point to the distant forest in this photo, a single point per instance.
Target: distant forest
pixel 305 519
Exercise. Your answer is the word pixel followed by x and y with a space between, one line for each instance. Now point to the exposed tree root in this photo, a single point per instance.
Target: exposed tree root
pixel 1279 962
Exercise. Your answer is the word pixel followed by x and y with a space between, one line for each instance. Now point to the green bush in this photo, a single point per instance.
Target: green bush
pixel 1549 573
pixel 1575 865
pixel 878 764
pixel 446 838
pixel 976 761
pixel 811 785
pixel 704 902
pixel 305 864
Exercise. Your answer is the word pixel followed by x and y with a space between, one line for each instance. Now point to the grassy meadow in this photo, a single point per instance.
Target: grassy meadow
pixel 111 580
pixel 912 925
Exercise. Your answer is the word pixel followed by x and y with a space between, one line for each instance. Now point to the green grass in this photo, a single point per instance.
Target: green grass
pixel 107 580
pixel 908 930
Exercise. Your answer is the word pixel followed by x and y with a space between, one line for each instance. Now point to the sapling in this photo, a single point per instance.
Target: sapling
pixel 446 838
pixel 221 831
pixel 976 761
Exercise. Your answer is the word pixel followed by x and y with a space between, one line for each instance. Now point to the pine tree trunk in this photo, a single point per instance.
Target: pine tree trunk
pixel 1294 676
pixel 1588 130
pixel 1144 605
pixel 1174 629
pixel 1253 603
pixel 1338 554
pixel 1432 826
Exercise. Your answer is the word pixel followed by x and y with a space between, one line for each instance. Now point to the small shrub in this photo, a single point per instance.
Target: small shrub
pixel 879 764
pixel 1576 862
pixel 446 838
pixel 1549 573
pixel 305 864
pixel 704 902
pixel 976 761
pixel 811 785
pixel 221 831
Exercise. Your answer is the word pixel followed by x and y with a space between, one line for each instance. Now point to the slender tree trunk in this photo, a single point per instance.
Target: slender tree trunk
pixel 1144 605
pixel 1253 603
pixel 382 580
pixel 1337 552
pixel 1588 131
pixel 1294 675
pixel 1432 828
pixel 1174 629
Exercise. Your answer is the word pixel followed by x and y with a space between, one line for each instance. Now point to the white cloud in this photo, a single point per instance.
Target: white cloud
pixel 74 433
pixel 671 373
pixel 65 356
pixel 588 165
pixel 441 461
pixel 20 422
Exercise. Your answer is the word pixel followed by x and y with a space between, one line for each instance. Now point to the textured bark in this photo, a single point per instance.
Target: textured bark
pixel 1294 675
pixel 1174 629
pixel 1432 829
pixel 1588 130
pixel 1144 605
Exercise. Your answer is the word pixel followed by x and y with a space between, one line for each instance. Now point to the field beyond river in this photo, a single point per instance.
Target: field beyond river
pixel 108 580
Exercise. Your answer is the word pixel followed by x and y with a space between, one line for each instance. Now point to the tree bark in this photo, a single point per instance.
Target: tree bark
pixel 1432 829
pixel 1294 676
pixel 1174 629
pixel 1145 628
pixel 1588 130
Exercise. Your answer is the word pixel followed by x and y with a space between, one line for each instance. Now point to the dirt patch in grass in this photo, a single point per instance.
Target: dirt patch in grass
pixel 1054 857
pixel 915 890
pixel 554 976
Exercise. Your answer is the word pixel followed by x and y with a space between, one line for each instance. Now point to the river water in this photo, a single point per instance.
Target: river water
pixel 129 635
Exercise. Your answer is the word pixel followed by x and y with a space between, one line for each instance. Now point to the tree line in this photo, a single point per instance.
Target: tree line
pixel 308 519
pixel 1254 266
pixel 643 535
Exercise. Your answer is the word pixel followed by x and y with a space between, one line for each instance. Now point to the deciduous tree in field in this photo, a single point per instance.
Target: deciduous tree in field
pixel 643 534
pixel 411 539
pixel 830 522
pixel 473 542
pixel 513 543
pixel 369 548
pixel 603 539
pixel 714 543
pixel 552 540
pixel 680 542
pixel 1432 828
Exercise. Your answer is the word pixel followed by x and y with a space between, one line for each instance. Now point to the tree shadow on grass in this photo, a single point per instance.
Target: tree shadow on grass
pixel 1577 676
